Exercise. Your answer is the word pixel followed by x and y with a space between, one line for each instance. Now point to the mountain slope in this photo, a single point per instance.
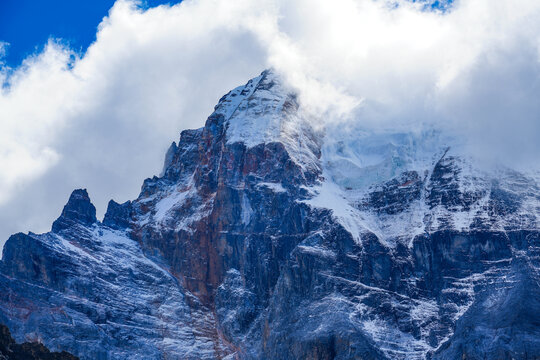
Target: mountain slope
pixel 266 238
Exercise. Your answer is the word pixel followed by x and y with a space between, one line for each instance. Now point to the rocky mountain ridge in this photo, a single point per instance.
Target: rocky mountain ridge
pixel 265 239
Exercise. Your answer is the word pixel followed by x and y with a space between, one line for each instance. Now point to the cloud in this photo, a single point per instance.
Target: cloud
pixel 473 70
pixel 103 120
pixel 3 48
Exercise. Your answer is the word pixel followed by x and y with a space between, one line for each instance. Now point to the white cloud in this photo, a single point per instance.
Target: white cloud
pixel 3 49
pixel 104 120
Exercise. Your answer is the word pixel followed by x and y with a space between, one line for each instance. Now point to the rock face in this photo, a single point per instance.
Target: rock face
pixel 265 238
pixel 78 209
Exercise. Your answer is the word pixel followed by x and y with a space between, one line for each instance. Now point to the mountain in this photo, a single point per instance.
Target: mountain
pixel 268 237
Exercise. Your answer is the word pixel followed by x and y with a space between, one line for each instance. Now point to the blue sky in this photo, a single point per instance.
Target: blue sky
pixel 27 24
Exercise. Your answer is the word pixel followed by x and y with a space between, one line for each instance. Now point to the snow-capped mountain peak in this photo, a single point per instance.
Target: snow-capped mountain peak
pixel 265 239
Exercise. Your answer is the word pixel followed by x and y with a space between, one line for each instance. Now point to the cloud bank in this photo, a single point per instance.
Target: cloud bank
pixel 103 119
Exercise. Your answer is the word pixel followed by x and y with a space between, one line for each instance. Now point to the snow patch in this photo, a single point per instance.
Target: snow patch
pixel 275 187
pixel 265 111
pixel 394 343
pixel 330 196
pixel 247 211
pixel 258 112
pixel 317 251
pixel 168 203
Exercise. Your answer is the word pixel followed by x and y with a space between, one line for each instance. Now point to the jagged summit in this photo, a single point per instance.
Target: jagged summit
pixel 263 111
pixel 79 209
pixel 118 216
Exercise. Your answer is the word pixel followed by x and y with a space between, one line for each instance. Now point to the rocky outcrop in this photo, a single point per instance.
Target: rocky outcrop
pixel 261 240
pixel 78 209
pixel 10 350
